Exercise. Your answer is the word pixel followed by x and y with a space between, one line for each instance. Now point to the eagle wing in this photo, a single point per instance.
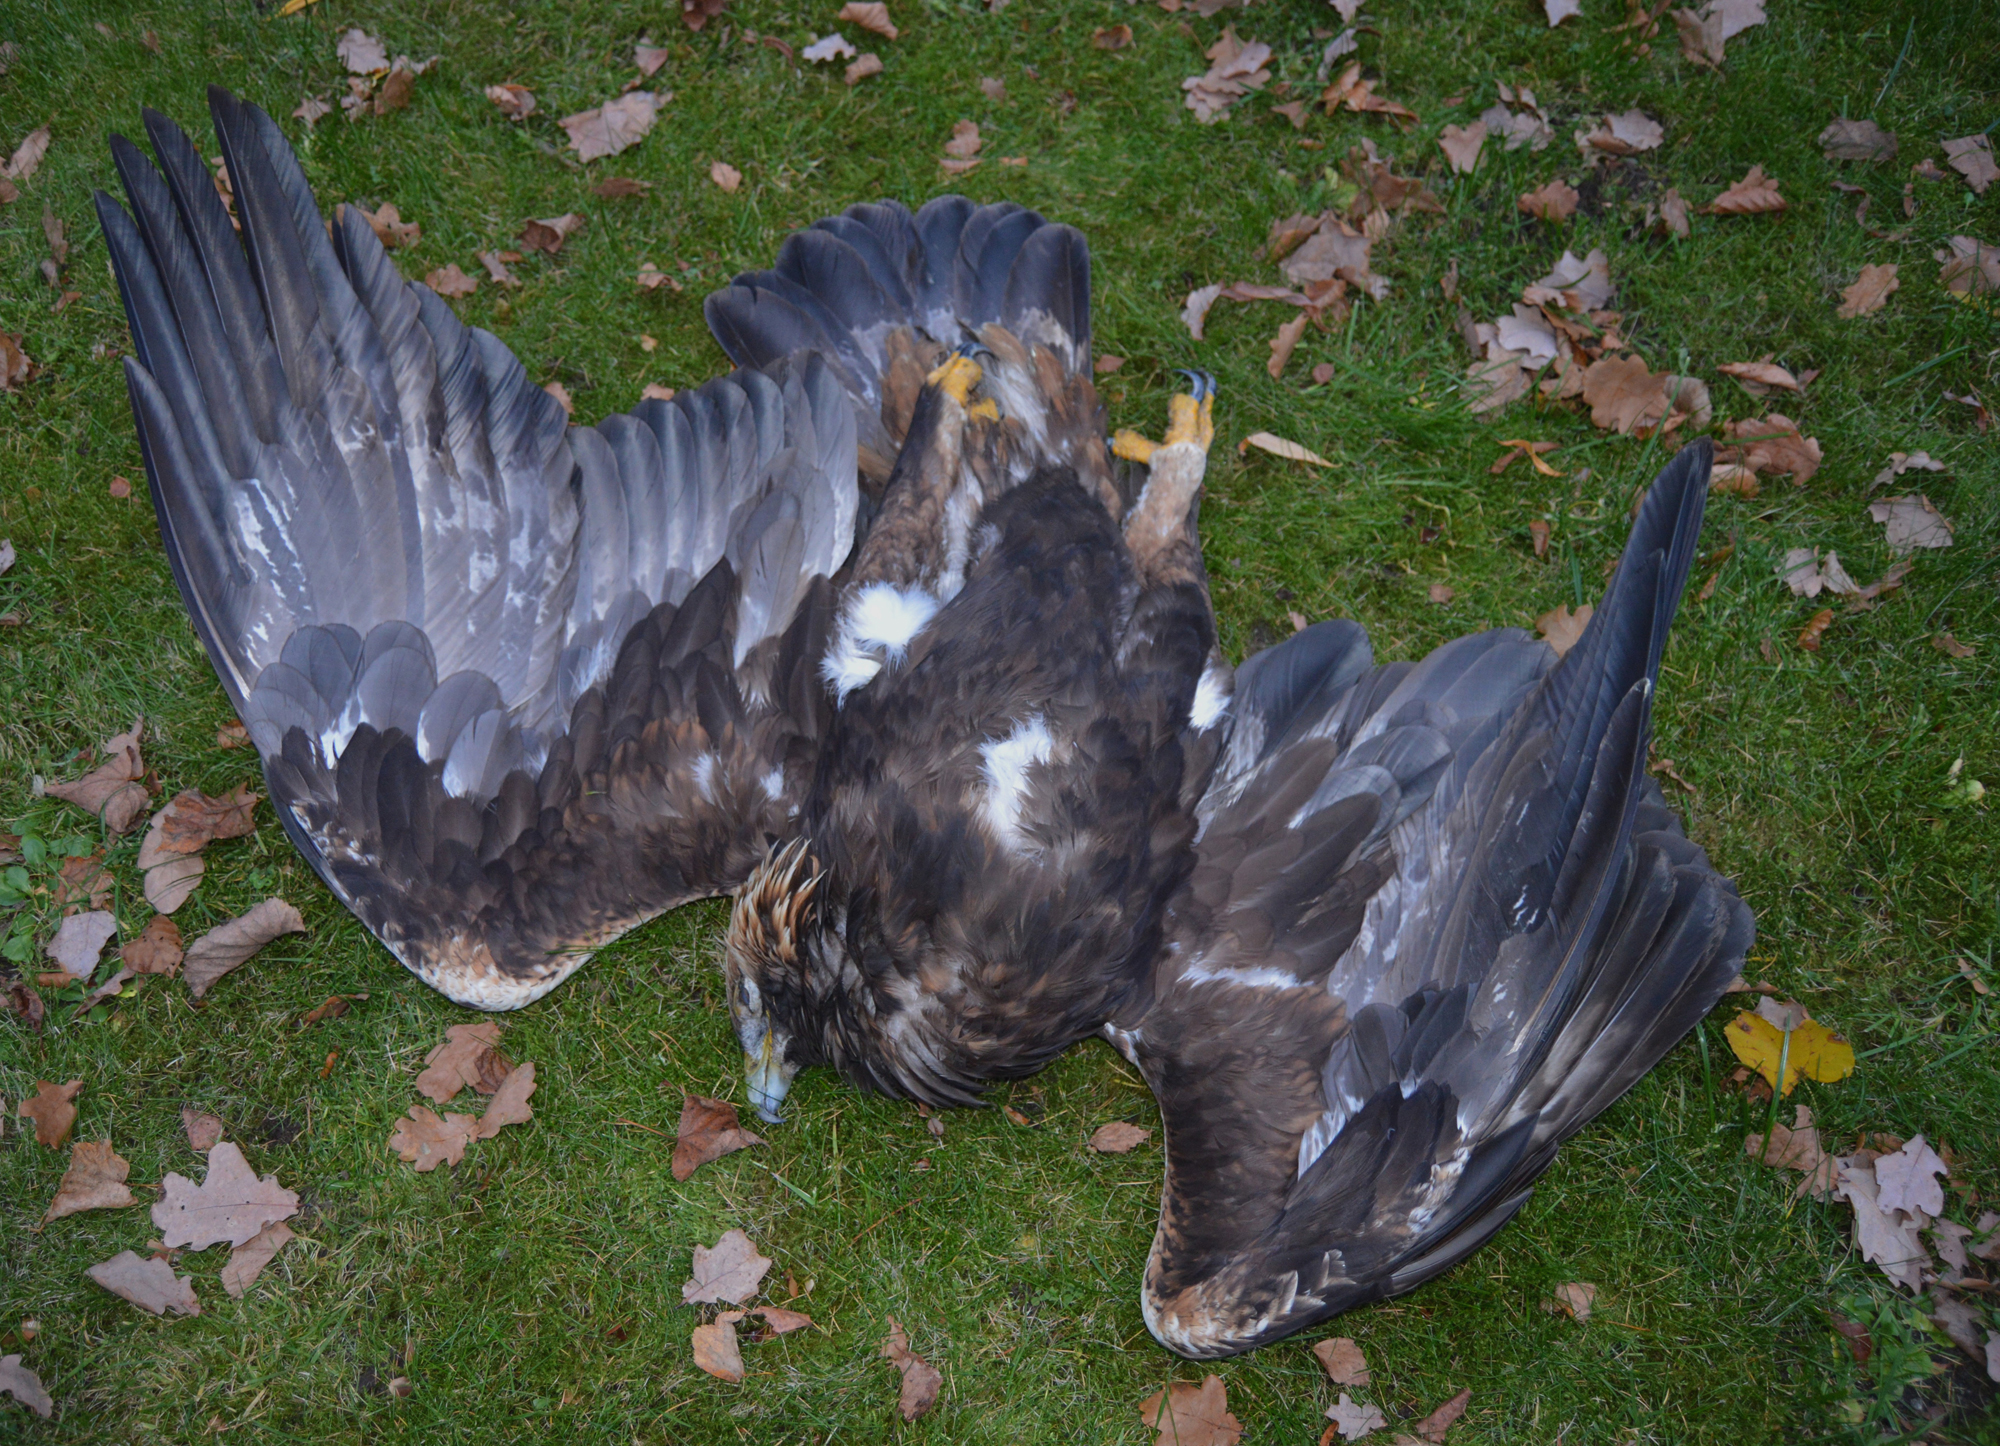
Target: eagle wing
pixel 1440 918
pixel 517 686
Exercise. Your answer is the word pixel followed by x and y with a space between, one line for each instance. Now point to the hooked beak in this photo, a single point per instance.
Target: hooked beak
pixel 768 1082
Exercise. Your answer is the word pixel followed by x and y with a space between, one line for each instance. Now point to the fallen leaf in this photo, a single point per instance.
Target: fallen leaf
pixel 16 367
pixel 965 140
pixel 1807 575
pixel 26 1004
pixel 1870 291
pixel 1118 1138
pixel 1795 1148
pixel 649 58
pixel 715 1347
pixel 1236 68
pixel 1433 1427
pixel 1701 36
pixel 333 1007
pixel 361 53
pixel 1461 146
pixel 247 1261
pixel 53 1111
pixel 708 1130
pixel 1910 523
pixel 725 175
pixel 731 1270
pixel 389 226
pixel 1759 378
pixel 1814 1052
pixel 869 15
pixel 27 157
pixel 203 1129
pixel 921 1380
pixel 1901 462
pixel 230 1204
pixel 1280 447
pixel 450 281
pixel 993 88
pixel 1440 593
pixel 549 232
pixel 312 110
pixel 1946 643
pixel 1906 1180
pixel 83 880
pixel 113 790
pixel 509 1105
pixel 828 47
pixel 1356 94
pixel 95 1180
pixel 1322 374
pixel 228 945
pixel 697 13
pixel 1624 395
pixel 1857 140
pixel 469 1057
pixel 655 392
pixel 1560 628
pixel 1194 312
pixel 1187 1415
pixel 1971 268
pixel 516 102
pixel 1625 134
pixel 1575 284
pixel 170 876
pixel 1574 1299
pixel 79 942
pixel 157 950
pixel 192 820
pixel 1972 158
pixel 1561 10
pixel 24 1386
pixel 1285 343
pixel 1352 1419
pixel 1883 1237
pixel 1772 444
pixel 1816 625
pixel 1554 202
pixel 1737 16
pixel 232 735
pixel 615 126
pixel 149 1284
pixel 1754 194
pixel 868 63
pixel 781 1321
pixel 396 88
pixel 424 1140
pixel 1111 37
pixel 1345 1365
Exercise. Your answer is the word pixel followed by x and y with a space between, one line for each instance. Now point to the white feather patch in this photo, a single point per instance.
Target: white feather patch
pixel 1211 697
pixel 1006 762
pixel 877 627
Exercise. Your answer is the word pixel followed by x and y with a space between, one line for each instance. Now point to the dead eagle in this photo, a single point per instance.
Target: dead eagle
pixel 1379 937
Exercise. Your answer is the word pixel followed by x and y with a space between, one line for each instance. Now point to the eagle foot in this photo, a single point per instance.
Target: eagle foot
pixel 1190 418
pixel 956 376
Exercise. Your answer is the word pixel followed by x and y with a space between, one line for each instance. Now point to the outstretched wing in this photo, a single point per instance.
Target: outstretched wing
pixel 1441 918
pixel 517 686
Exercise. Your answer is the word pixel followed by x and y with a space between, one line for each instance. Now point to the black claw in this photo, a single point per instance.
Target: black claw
pixel 972 350
pixel 1201 385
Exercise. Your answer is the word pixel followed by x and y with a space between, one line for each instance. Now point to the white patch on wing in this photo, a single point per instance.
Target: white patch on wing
pixel 1005 762
pixel 773 783
pixel 877 627
pixel 704 777
pixel 1211 697
pixel 1264 977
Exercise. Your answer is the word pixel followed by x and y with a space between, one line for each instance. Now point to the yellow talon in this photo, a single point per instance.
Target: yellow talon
pixel 957 377
pixel 1132 447
pixel 985 409
pixel 1190 420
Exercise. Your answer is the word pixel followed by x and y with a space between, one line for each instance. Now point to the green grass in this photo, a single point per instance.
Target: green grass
pixel 1014 1258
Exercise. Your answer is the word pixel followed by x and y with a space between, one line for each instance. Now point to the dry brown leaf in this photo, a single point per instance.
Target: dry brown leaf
pixel 516 102
pixel 1105 364
pixel 1281 447
pixel 1573 1299
pixel 1910 523
pixel 548 233
pixel 655 392
pixel 649 58
pixel 95 1180
pixel 1461 146
pixel 1118 1138
pixel 149 1284
pixel 1356 94
pixel 725 175
pixel 361 53
pixel 157 950
pixel 715 1347
pixel 1345 1365
pixel 171 879
pixel 1857 140
pixel 509 1105
pixel 1754 194
pixel 228 945
pixel 1561 628
pixel 615 126
pixel 469 1057
pixel 1285 343
pixel 450 281
pixel 113 790
pixel 389 226
pixel 1623 394
pixel 203 1129
pixel 16 366
pixel 1625 134
pixel 1947 644
pixel 921 1380
pixel 1186 1415
pixel 1906 1180
pixel 426 1141
pixel 1772 444
pixel 83 880
pixel 312 110
pixel 27 157
pixel 1972 158
pixel 614 188
pixel 1555 202
pixel 79 942
pixel 965 140
pixel 396 88
pixel 25 1386
pixel 1870 291
pixel 1352 1419
pixel 866 64
pixel 1111 37
pixel 1440 593
pixel 230 1204
pixel 1884 1237
pixel 496 264
pixel 1434 1426
pixel 192 820
pixel 1970 267
pixel 1795 1148
pixel 869 15
pixel 731 1270
pixel 780 1321
pixel 247 1261
pixel 53 1110
pixel 697 13
pixel 1561 10
pixel 1236 68
pixel 1816 625
pixel 1701 36
pixel 1759 378
pixel 708 1130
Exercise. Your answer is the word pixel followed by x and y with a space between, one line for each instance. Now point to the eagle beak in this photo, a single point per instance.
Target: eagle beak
pixel 765 1074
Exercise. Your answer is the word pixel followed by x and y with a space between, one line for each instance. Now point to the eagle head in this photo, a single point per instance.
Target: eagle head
pixel 766 961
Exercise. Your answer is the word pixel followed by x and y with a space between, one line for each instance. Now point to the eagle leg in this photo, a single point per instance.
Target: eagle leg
pixel 1160 528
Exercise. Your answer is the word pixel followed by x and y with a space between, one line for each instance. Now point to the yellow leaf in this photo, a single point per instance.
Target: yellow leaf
pixel 293 7
pixel 1816 1051
pixel 1280 447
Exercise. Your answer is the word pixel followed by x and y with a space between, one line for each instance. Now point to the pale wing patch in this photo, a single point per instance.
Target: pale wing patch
pixel 876 628
pixel 1211 697
pixel 1005 763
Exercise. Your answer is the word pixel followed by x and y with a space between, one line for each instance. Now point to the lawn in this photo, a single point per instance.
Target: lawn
pixel 533 1291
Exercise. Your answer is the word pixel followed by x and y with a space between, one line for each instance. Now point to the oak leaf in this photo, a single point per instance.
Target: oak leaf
pixel 1795 1147
pixel 965 140
pixel 157 950
pixel 1624 394
pixel 1353 1420
pixel 708 1130
pixel 203 1129
pixel 1554 202
pixel 869 15
pixel 426 1141
pixel 1857 140
pixel 497 263
pixel 1884 1237
pixel 1461 146
pixel 1345 1365
pixel 615 126
pixel 731 1270
pixel 1950 646
pixel 247 1261
pixel 95 1180
pixel 1754 194
pixel 469 1056
pixel 1772 444
pixel 361 53
pixel 1236 68
pixel 25 1386
pixel 1970 267
pixel 509 1105
pixel 230 1204
pixel 389 226
pixel 1285 343
pixel 834 46
pixel 1911 522
pixel 1186 1415
pixel 1118 1138
pixel 1574 1299
pixel 921 1380
pixel 149 1284
pixel 450 281
pixel 53 1111
pixel 1972 158
pixel 229 945
pixel 1906 1180
pixel 79 942
pixel 1870 291
pixel 516 102
pixel 113 790
pixel 1561 629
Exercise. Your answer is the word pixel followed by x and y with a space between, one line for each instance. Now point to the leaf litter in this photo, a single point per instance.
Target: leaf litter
pixel 708 1129
pixel 615 126
pixel 1776 1032
pixel 95 1180
pixel 25 1386
pixel 730 1270
pixel 228 946
pixel 231 1204
pixel 1118 1138
pixel 149 1284
pixel 114 791
pixel 922 1381
pixel 53 1109
pixel 1186 1415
